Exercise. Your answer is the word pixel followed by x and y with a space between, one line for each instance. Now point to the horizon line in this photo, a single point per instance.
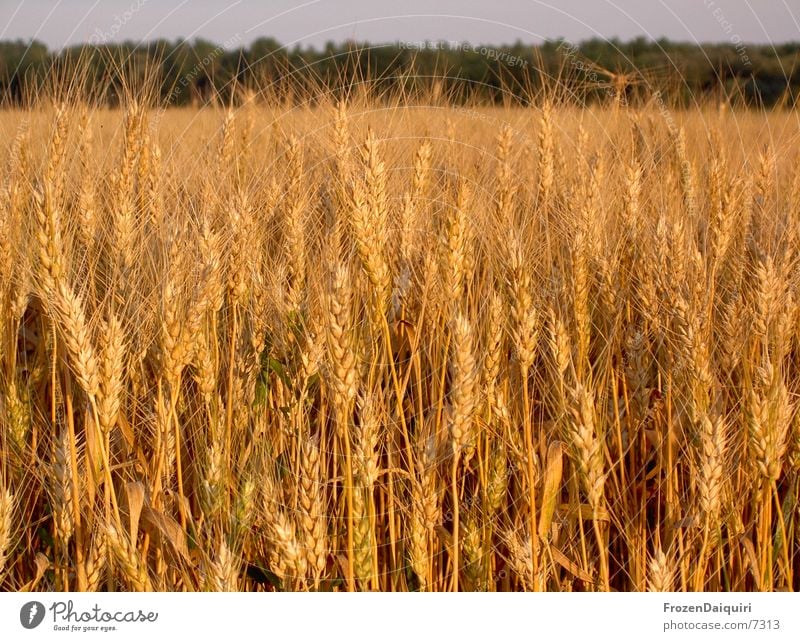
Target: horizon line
pixel 440 42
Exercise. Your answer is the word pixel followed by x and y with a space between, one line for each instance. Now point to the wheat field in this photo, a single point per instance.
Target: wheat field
pixel 366 345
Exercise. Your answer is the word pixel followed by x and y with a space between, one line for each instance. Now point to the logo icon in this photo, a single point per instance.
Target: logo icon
pixel 31 615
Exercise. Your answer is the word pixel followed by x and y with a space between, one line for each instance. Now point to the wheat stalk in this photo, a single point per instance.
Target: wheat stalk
pixel 7 503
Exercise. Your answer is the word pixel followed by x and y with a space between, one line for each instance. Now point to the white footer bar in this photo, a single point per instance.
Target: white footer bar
pixel 406 617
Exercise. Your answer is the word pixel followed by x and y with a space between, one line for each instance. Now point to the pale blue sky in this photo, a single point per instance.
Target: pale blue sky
pixel 238 22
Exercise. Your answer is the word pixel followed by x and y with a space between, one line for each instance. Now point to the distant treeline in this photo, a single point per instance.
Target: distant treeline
pixel 180 73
